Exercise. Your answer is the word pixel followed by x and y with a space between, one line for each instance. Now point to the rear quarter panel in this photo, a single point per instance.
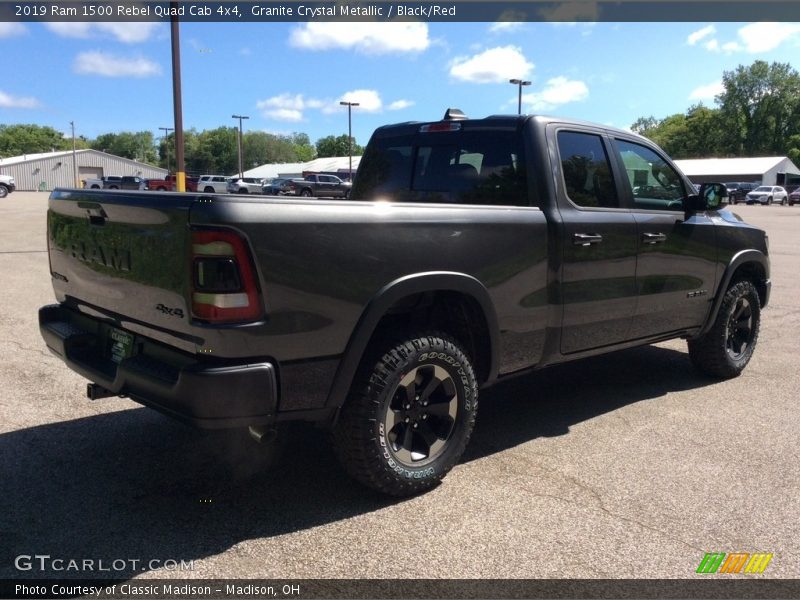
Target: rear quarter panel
pixel 321 262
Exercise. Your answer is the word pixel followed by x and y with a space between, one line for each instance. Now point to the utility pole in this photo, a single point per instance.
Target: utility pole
pixel 241 118
pixel 166 131
pixel 520 83
pixel 350 106
pixel 74 157
pixel 177 102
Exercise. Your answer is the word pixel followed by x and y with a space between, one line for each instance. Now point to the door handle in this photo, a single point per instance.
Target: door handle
pixel 654 238
pixel 586 239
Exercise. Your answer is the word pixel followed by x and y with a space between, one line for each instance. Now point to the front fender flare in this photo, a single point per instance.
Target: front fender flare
pixel 739 259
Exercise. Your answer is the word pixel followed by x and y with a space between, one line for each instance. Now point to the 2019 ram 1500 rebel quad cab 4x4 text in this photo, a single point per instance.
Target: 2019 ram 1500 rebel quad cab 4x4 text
pixel 470 250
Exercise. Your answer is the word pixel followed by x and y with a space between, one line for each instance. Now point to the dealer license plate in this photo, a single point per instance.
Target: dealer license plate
pixel 120 344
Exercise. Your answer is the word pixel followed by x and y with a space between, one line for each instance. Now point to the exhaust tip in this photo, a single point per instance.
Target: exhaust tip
pixel 263 435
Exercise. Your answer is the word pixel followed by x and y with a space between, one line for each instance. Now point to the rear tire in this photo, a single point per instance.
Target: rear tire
pixel 208 190
pixel 409 415
pixel 727 347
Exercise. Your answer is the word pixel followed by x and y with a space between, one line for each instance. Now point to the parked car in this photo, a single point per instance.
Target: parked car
pixel 116 182
pixel 7 185
pixel 767 194
pixel 457 265
pixel 321 186
pixel 245 185
pixel 168 184
pixel 213 184
pixel 794 197
pixel 737 190
pixel 276 187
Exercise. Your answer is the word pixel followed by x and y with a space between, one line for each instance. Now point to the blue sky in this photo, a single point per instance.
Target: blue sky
pixel 289 77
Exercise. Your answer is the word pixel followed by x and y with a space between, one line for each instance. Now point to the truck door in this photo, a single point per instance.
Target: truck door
pixel 598 271
pixel 676 266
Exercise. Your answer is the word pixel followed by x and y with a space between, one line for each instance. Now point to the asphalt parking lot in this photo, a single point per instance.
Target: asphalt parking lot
pixel 624 466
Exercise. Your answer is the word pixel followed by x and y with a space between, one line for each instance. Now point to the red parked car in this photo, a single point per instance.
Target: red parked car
pixel 794 196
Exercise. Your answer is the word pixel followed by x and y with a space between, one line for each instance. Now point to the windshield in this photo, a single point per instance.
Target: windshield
pixel 764 189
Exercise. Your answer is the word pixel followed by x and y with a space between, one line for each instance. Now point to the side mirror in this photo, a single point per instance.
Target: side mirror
pixel 710 197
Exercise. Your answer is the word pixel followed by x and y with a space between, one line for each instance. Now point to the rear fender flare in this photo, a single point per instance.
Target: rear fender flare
pixel 388 296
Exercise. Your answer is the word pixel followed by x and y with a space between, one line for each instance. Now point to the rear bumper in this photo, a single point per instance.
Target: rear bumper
pixel 204 393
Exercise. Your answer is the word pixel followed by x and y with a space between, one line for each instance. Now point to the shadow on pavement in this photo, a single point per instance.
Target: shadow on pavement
pixel 134 484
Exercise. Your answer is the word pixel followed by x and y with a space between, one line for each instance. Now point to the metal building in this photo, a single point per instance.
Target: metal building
pixel 44 172
pixel 765 170
pixel 334 165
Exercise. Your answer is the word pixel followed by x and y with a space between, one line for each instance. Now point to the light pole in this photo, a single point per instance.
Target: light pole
pixel 240 117
pixel 74 159
pixel 520 83
pixel 350 106
pixel 166 131
pixel 177 99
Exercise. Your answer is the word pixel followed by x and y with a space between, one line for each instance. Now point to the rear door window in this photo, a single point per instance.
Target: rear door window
pixel 586 170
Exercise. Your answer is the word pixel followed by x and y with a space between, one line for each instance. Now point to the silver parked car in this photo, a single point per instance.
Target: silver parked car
pixel 767 194
pixel 245 185
pixel 213 184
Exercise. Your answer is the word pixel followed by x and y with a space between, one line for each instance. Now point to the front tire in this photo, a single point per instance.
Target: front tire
pixel 727 347
pixel 3 191
pixel 306 193
pixel 409 415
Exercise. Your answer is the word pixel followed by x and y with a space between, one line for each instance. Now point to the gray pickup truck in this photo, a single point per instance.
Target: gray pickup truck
pixel 321 186
pixel 116 182
pixel 471 250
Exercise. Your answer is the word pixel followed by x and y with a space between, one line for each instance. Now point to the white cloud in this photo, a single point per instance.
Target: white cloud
pixel 9 101
pixel 496 65
pixel 505 26
pixel 707 92
pixel 128 33
pixel 763 37
pixel 700 34
pixel 558 91
pixel 284 114
pixel 368 38
pixel 8 30
pixel 400 104
pixel 287 107
pixel 756 38
pixel 368 101
pixel 108 65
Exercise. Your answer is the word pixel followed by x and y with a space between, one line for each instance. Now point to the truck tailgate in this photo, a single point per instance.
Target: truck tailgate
pixel 124 253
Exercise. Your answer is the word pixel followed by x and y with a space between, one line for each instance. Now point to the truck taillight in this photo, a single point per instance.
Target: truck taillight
pixel 224 285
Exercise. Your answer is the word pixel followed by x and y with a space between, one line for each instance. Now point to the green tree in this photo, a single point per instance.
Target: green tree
pixel 127 144
pixel 758 114
pixel 760 107
pixel 303 148
pixel 16 140
pixel 336 146
pixel 794 149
